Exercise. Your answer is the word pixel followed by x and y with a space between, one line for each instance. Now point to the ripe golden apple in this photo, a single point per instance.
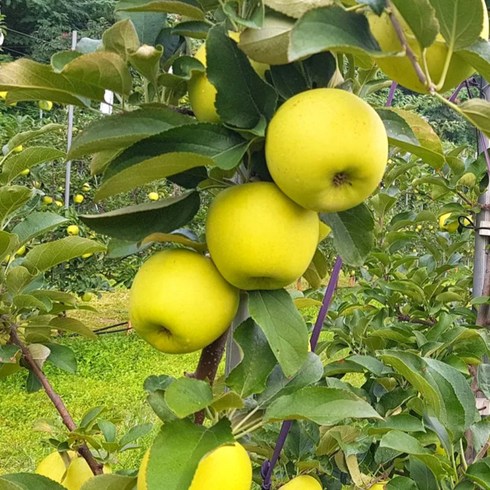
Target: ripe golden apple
pixel 202 93
pixel 303 482
pixel 259 238
pixel 400 69
pixel 26 171
pixel 326 149
pixel 452 226
pixel 227 467
pixel 70 470
pixel 45 105
pixel 379 486
pixel 47 200
pixel 78 198
pixel 153 196
pixel 72 230
pixel 180 303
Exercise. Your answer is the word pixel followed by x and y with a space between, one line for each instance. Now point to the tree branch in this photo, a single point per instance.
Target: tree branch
pixel 67 419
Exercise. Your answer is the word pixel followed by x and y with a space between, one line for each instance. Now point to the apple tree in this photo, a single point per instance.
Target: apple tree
pixel 386 393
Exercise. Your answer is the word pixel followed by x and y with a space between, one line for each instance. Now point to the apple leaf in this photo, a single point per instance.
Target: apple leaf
pixel 331 28
pixel 477 111
pixel 134 223
pixel 28 481
pixel 71 325
pixel 12 197
pixel 172 152
pixel 121 38
pixel 243 99
pixel 27 159
pixel 352 233
pixel 412 133
pixel 120 131
pixel 460 21
pixel 188 8
pixel 110 482
pixel 278 384
pixel 192 28
pixel 269 44
pixel 28 80
pixel 479 473
pixel 62 357
pixel 478 56
pixel 322 405
pixel 420 17
pixel 36 223
pixel 283 326
pixel 250 376
pixel 296 8
pixel 46 255
pixel 24 137
pixel 186 396
pixel 185 443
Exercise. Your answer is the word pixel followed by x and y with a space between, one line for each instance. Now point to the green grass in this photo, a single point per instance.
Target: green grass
pixel 111 372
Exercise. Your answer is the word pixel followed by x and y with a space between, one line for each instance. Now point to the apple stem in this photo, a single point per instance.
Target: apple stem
pixel 408 50
pixel 67 419
pixel 207 367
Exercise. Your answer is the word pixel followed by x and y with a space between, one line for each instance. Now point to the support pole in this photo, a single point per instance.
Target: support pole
pixel 70 134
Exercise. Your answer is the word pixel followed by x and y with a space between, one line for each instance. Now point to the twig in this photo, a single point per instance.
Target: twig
pixel 67 419
pixel 208 366
pixel 408 50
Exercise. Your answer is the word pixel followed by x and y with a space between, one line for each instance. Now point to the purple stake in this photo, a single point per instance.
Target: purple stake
pixel 456 92
pixel 268 465
pixel 391 95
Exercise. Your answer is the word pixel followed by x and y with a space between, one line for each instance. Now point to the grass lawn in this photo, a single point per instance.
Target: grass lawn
pixel 111 372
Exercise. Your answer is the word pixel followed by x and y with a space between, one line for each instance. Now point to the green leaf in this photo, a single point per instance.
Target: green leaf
pixel 477 111
pixel 420 17
pixel 108 429
pixel 188 8
pixel 460 21
pixel 186 443
pixel 296 8
pixel 478 56
pixel 402 422
pixel 479 473
pixel 403 443
pixel 243 99
pixel 282 324
pixel 401 483
pixel 412 133
pixel 62 357
pixel 37 223
pixel 45 256
pixel 12 197
pixel 278 384
pixel 8 353
pixel 24 137
pixel 100 69
pixel 72 325
pixel 186 396
pixel 27 159
pixel 146 61
pixel 135 433
pixel 172 152
pixel 134 223
pixel 324 406
pixel 331 28
pixel 28 80
pixel 192 28
pixel 9 242
pixel 121 38
pixel 28 481
pixel 120 131
pixel 90 416
pixel 352 233
pixel 483 374
pixel 250 376
pixel 110 482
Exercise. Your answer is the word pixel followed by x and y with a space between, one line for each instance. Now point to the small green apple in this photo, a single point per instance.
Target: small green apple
pixel 45 105
pixel 259 238
pixel 180 303
pixel 87 296
pixel 326 149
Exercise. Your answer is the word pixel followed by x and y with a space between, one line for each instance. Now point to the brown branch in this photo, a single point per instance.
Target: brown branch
pixel 407 318
pixel 208 366
pixel 408 50
pixel 67 419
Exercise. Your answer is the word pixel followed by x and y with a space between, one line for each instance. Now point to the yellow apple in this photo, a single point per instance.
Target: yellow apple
pixel 325 230
pixel 78 198
pixel 452 226
pixel 77 474
pixel 303 482
pixel 72 230
pixel 21 251
pixel 259 238
pixel 86 187
pixel 58 203
pixel 227 467
pixel 3 95
pixel 379 486
pixel 326 149
pixel 47 200
pixel 153 196
pixel 202 93
pixel 87 255
pixel 400 69
pixel 18 149
pixel 87 296
pixel 26 171
pixel 180 303
pixel 45 105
